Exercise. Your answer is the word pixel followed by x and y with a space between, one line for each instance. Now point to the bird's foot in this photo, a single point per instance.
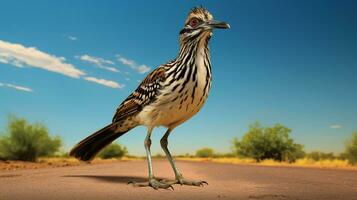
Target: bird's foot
pixel 154 183
pixel 183 181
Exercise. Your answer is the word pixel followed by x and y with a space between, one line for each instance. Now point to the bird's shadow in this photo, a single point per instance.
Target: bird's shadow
pixel 112 179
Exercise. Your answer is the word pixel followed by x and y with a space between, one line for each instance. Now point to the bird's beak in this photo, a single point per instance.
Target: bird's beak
pixel 217 24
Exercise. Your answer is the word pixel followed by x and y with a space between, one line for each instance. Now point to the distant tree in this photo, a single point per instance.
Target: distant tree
pixel 186 155
pixel 317 155
pixel 205 153
pixel 351 149
pixel 294 152
pixel 113 150
pixel 159 155
pixel 268 143
pixel 27 142
pixel 342 156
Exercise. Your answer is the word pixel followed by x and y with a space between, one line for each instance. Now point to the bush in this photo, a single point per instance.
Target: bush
pixel 159 155
pixel 186 155
pixel 317 156
pixel 113 150
pixel 205 153
pixel 268 143
pixel 27 142
pixel 351 149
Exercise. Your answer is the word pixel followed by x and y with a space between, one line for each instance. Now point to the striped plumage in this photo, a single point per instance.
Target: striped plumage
pixel 168 96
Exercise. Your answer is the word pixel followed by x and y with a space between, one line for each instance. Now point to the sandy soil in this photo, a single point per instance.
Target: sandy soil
pixel 226 181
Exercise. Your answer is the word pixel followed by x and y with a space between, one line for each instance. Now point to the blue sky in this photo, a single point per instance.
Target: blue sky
pixel 289 62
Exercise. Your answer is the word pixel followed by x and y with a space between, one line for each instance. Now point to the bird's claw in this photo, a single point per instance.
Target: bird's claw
pixel 204 182
pixel 170 187
pixel 154 183
pixel 183 181
pixel 167 185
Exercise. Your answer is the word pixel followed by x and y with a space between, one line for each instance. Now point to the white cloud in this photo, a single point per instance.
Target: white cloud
pixel 335 126
pixel 99 62
pixel 113 69
pixel 16 87
pixel 104 82
pixel 132 64
pixel 95 60
pixel 19 55
pixel 2 60
pixel 73 38
pixel 143 69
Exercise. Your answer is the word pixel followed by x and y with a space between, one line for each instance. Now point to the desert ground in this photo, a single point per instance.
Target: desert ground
pixel 226 181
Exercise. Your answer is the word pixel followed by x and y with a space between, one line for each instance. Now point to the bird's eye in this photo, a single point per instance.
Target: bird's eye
pixel 194 22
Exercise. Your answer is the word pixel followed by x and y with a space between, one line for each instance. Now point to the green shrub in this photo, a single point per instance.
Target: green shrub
pixel 186 155
pixel 27 142
pixel 113 150
pixel 268 143
pixel 351 149
pixel 159 155
pixel 205 153
pixel 317 155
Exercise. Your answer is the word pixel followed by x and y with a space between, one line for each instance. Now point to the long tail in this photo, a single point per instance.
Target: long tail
pixel 90 146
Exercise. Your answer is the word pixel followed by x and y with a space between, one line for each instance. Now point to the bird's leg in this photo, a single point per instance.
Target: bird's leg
pixel 164 144
pixel 178 175
pixel 153 182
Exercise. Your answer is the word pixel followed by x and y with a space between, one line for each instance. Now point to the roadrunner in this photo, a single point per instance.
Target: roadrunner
pixel 168 96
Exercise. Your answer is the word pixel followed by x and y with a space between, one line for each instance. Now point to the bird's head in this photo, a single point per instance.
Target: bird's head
pixel 200 23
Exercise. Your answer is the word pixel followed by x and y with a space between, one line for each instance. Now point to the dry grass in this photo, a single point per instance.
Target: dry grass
pixel 305 162
pixel 335 163
pixel 95 161
pixel 64 162
pixel 55 162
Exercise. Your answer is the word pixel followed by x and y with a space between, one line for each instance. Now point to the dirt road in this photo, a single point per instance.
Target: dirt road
pixel 226 181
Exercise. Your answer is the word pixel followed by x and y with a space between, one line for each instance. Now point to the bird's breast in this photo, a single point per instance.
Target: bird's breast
pixel 182 96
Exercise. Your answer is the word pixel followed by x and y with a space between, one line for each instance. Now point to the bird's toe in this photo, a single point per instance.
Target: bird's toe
pixel 184 181
pixel 154 183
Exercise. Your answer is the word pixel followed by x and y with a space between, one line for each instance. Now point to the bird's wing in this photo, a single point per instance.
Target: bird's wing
pixel 143 95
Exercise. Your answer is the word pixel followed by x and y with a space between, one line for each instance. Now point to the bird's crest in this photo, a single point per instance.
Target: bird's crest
pixel 200 13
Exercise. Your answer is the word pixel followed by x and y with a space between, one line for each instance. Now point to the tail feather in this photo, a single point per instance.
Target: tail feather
pixel 90 146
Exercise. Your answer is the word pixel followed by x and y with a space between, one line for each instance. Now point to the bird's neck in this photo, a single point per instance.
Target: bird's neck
pixel 193 63
pixel 191 48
